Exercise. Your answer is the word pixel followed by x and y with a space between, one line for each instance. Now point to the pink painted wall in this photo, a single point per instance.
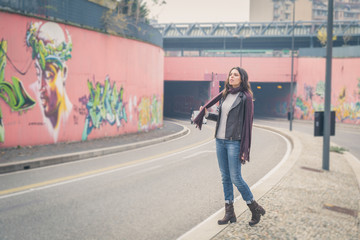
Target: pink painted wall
pixel 309 75
pixel 259 69
pixel 126 77
pixel 345 88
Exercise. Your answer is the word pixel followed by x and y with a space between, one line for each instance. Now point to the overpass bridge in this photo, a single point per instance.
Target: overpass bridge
pixel 199 55
pixel 254 35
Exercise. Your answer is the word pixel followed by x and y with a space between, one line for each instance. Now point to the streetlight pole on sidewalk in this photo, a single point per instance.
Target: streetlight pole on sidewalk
pixel 241 37
pixel 327 104
pixel 241 46
pixel 292 67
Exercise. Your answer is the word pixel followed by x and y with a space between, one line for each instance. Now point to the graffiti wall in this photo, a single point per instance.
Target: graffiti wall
pixel 309 87
pixel 345 89
pixel 60 83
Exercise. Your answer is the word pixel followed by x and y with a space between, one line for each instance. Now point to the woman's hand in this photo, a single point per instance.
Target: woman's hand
pixel 206 111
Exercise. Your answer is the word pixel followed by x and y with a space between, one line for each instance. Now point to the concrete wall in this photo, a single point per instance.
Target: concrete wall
pixel 265 69
pixel 309 77
pixel 337 52
pixel 60 83
pixel 345 84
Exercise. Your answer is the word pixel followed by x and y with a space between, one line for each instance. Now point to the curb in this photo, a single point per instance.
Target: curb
pixel 64 158
pixel 208 229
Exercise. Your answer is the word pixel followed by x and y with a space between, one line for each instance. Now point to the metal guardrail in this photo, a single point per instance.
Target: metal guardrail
pixel 254 29
pixel 81 13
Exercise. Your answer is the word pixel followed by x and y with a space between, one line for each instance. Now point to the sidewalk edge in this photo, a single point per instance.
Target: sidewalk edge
pixel 64 158
pixel 209 228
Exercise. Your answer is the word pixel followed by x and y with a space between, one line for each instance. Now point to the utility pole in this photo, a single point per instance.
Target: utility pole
pixel 241 46
pixel 292 67
pixel 327 104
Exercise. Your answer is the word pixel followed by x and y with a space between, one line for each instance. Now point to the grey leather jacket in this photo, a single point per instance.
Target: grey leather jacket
pixel 235 119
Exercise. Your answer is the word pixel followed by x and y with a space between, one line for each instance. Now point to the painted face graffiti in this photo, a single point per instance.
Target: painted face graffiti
pixel 51 51
pixel 50 88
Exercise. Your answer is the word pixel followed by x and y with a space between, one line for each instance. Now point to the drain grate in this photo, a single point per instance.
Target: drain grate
pixel 340 210
pixel 311 169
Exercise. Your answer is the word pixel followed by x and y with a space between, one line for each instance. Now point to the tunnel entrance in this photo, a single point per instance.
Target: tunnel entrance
pixel 271 99
pixel 182 97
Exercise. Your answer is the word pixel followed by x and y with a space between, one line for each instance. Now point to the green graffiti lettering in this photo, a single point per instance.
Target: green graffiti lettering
pixel 105 104
pixel 13 94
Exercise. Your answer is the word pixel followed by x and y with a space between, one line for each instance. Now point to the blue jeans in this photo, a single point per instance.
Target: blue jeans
pixel 228 153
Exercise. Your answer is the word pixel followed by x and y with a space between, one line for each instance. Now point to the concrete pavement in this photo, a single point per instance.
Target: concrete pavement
pixel 302 200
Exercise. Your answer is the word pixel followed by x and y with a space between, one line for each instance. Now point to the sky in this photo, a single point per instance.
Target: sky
pixel 200 11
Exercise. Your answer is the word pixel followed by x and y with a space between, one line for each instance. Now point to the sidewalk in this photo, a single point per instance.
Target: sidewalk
pixel 302 201
pixel 14 159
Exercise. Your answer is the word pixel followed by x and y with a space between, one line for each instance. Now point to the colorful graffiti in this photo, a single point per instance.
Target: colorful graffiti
pixel 149 112
pixel 47 92
pixel 303 109
pixel 51 50
pixel 13 94
pixel 347 108
pixel 306 105
pixel 105 104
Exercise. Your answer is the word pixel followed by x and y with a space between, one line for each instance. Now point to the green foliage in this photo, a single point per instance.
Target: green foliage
pixel 322 36
pixel 337 149
pixel 117 17
pixel 48 52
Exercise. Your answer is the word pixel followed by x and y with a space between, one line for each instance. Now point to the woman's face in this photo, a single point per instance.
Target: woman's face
pixel 234 78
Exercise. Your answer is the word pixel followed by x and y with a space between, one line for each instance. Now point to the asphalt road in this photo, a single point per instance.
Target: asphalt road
pixel 155 192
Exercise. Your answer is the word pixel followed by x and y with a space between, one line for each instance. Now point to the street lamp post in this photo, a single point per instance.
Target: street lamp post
pixel 292 67
pixel 241 37
pixel 327 104
pixel 241 46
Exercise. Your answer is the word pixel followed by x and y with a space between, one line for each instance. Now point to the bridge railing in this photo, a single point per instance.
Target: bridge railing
pixel 255 29
pixel 229 53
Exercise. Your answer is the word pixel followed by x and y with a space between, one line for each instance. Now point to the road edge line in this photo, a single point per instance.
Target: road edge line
pixel 70 157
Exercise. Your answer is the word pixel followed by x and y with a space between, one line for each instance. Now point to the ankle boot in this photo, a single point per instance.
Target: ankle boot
pixel 256 211
pixel 229 214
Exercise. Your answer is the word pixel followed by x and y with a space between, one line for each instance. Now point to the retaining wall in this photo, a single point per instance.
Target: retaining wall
pixel 60 83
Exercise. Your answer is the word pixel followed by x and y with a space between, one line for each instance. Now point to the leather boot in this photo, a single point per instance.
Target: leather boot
pixel 256 211
pixel 229 214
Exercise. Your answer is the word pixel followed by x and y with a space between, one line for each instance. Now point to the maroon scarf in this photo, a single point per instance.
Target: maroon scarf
pixel 245 142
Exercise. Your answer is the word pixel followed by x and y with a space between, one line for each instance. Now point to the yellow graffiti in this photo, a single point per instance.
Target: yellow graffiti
pixel 346 111
pixel 150 113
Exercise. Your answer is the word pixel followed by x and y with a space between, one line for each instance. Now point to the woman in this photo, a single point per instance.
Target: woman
pixel 233 141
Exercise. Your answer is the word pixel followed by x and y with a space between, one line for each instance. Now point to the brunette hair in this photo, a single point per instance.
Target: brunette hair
pixel 244 84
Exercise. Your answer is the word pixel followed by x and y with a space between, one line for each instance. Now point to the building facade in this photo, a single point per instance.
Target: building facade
pixel 305 10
